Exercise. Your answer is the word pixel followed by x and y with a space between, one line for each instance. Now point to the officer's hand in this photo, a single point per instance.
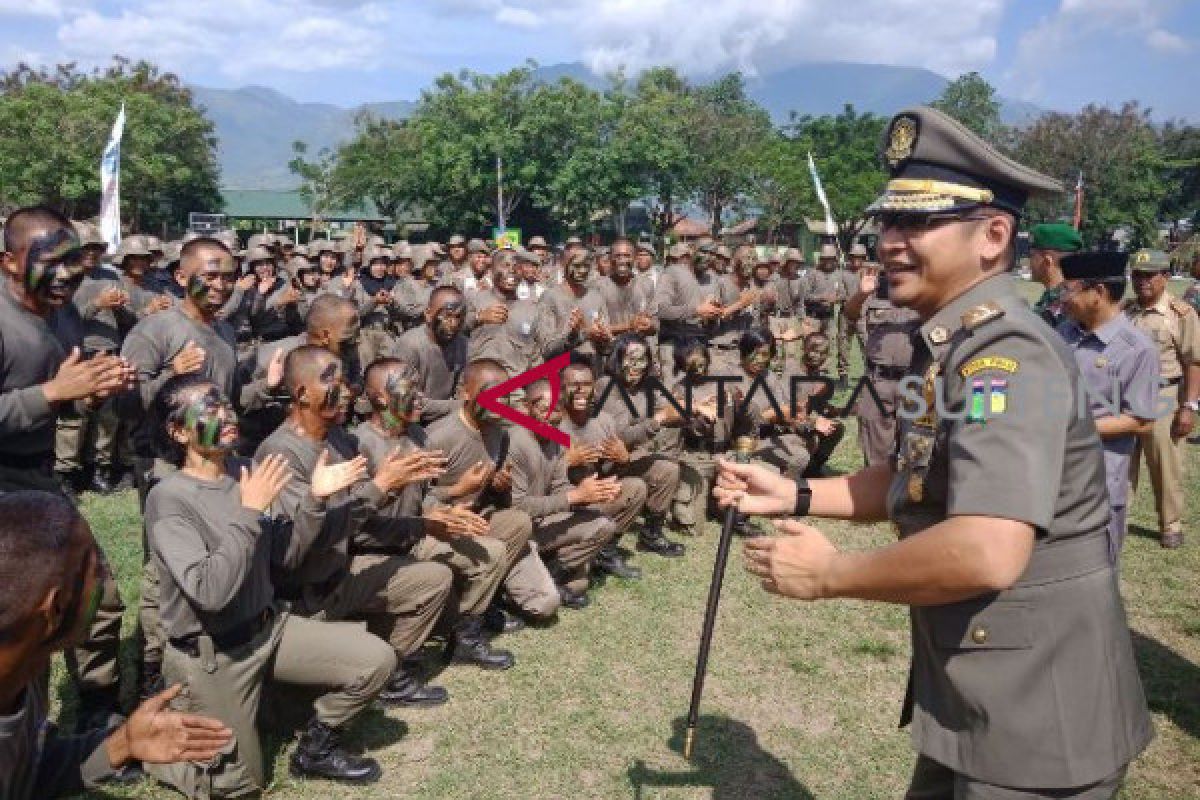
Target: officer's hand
pixel 1183 423
pixel 754 489
pixel 155 735
pixel 262 484
pixel 493 315
pixel 594 489
pixel 616 451
pixel 796 565
pixel 451 521
pixel 330 479
pixel 275 369
pixel 402 469
pixel 189 360
pixel 502 479
pixel 580 455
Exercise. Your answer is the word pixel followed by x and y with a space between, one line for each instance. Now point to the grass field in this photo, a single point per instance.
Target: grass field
pixel 802 700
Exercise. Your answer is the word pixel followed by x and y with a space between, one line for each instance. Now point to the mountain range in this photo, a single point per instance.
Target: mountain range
pixel 256 125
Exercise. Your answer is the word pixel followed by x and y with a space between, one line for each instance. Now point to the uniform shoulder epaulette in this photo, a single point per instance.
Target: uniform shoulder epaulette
pixel 1179 307
pixel 983 313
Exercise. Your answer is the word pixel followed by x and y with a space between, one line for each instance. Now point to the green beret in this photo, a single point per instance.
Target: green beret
pixel 1055 236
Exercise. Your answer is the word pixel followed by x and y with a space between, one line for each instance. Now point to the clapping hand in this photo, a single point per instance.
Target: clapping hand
pixel 329 479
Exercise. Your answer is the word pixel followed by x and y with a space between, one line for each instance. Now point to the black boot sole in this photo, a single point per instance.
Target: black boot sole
pixel 398 703
pixel 303 774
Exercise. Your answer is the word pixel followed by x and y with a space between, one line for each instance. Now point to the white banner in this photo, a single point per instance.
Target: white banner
pixel 830 228
pixel 110 185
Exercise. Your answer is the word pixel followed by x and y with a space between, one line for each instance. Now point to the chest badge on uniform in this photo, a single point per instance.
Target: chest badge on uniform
pixel 1101 362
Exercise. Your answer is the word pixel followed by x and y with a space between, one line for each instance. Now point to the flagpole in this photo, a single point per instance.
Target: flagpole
pixel 110 184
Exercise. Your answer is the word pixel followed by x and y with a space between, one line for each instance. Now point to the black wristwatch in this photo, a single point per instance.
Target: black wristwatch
pixel 803 498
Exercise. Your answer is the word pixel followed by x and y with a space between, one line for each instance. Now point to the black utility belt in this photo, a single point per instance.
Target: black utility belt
pixel 38 461
pixel 1172 381
pixel 231 639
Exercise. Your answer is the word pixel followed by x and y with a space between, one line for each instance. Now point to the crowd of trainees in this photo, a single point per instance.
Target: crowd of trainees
pixel 346 472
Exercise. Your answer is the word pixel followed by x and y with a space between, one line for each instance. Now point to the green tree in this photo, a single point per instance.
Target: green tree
pixel 377 164
pixel 1180 146
pixel 726 131
pixel 972 101
pixel 54 125
pixel 317 186
pixel 1118 154
pixel 845 149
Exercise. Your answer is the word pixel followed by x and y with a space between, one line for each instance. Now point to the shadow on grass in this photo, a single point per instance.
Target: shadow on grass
pixel 728 760
pixel 1172 683
pixel 1144 532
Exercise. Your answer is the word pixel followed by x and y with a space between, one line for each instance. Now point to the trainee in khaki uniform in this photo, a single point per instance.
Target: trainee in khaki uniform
pixel 998 496
pixel 1174 327
pixel 1119 365
pixel 887 351
pixel 685 298
pixel 38 379
pixel 214 547
pixel 848 331
pixel 400 598
pixel 476 443
pixel 456 537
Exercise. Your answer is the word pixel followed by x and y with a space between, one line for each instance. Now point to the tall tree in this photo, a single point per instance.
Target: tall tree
pixel 1118 154
pixel 972 101
pixel 55 123
pixel 316 175
pixel 377 164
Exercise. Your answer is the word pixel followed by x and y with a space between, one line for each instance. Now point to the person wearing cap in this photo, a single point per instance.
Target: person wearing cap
pixel 824 293
pixel 328 257
pixel 306 279
pixel 456 256
pixel 1023 681
pixel 1173 327
pixel 502 327
pixel 273 302
pixel 743 306
pixel 1119 365
pixel 648 272
pixel 1048 243
pixel 410 296
pixel 379 286
pixel 529 269
pixel 474 274
pixel 789 289
pixel 849 332
pixel 686 299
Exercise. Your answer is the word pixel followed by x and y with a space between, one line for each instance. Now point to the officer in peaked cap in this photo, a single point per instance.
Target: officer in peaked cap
pixel 997 488
pixel 1173 327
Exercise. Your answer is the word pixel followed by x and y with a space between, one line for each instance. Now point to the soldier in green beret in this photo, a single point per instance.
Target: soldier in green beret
pixel 1048 243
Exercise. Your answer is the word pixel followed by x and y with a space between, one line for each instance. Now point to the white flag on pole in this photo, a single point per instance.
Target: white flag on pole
pixel 110 185
pixel 830 228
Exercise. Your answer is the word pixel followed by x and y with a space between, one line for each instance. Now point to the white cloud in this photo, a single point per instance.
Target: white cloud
pixel 520 17
pixel 1167 42
pixel 948 36
pixel 239 37
pixel 33 8
pixel 1078 21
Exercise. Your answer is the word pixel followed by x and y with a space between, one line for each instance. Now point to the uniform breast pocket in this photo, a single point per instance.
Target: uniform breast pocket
pixel 970 626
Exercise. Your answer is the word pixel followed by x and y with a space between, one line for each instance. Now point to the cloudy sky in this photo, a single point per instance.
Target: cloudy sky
pixel 1057 53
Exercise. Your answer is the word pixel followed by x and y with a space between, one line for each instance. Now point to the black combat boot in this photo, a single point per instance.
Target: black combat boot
pixel 101 482
pixel 497 620
pixel 68 484
pixel 573 600
pixel 610 562
pixel 319 754
pixel 406 689
pixel 652 540
pixel 468 646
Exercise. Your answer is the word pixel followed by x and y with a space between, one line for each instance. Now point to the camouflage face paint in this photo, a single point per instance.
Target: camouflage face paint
pixel 635 363
pixel 54 261
pixel 579 395
pixel 746 268
pixel 504 275
pixel 448 321
pixel 331 376
pixel 401 402
pixel 622 270
pixel 579 270
pixel 758 360
pixel 696 363
pixel 206 418
pixel 485 416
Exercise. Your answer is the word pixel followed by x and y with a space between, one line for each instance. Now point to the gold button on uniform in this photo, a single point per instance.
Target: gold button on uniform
pixel 979 635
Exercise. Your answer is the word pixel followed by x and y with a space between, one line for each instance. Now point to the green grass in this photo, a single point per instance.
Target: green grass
pixel 802 699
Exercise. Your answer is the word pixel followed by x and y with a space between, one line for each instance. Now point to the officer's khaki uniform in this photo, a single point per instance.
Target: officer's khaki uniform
pixel 478 562
pixel 1008 689
pixel 1173 327
pixel 227 635
pixel 400 598
pixel 888 352
pixel 526 581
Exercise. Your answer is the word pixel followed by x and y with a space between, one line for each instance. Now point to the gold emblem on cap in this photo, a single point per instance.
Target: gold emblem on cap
pixel 901 140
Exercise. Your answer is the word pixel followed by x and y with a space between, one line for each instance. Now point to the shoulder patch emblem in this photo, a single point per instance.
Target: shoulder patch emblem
pixel 972 318
pixel 993 363
pixel 902 140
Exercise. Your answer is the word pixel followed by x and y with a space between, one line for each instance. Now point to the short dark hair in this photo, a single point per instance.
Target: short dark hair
pixel 623 343
pixel 686 348
pixel 1115 289
pixel 325 309
pixel 299 364
pixel 755 338
pixel 440 292
pixel 476 368
pixel 35 537
pixel 24 220
pixel 200 243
